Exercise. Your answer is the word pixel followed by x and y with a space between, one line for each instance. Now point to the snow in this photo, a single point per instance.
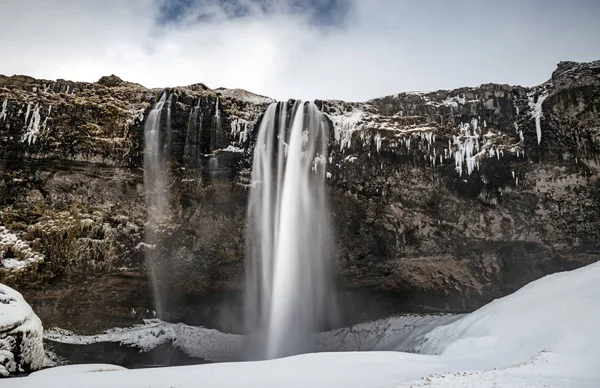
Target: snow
pixel 558 312
pixel 545 334
pixel 452 102
pixel 395 333
pixel 21 347
pixel 24 254
pixel 207 344
pixel 401 333
pixel 231 148
pixel 246 96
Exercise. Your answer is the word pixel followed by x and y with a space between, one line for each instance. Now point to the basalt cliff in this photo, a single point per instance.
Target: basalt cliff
pixel 439 201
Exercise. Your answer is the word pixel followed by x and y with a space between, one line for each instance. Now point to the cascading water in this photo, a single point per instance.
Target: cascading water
pixel 216 139
pixel 192 151
pixel 155 183
pixel 288 293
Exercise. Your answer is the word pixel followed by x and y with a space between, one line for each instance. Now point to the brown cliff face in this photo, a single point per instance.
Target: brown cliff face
pixel 440 201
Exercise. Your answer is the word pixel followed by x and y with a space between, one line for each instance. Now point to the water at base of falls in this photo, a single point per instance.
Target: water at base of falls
pixel 156 144
pixel 288 289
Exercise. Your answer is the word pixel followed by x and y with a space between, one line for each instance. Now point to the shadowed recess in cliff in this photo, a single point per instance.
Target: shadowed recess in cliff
pixel 288 290
pixel 156 187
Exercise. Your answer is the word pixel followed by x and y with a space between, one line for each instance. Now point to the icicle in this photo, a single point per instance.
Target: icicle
pixel 3 112
pixel 27 113
pixel 536 113
pixel 378 141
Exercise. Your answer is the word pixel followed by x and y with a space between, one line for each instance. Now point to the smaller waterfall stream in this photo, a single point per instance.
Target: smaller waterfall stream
pixel 156 147
pixel 192 150
pixel 288 234
pixel 217 139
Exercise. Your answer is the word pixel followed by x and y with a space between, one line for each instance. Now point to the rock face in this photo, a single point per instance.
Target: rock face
pixel 440 201
pixel 21 347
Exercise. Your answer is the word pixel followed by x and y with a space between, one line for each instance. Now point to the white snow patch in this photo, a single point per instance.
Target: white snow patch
pixel 453 102
pixel 246 96
pixel 207 344
pixel 231 148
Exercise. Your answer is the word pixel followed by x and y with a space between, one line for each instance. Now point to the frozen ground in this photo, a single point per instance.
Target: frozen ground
pixel 544 335
pixel 403 333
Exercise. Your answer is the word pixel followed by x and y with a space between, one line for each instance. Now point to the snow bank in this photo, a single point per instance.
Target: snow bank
pixel 559 312
pixel 207 344
pixel 21 348
pixel 401 333
pixel 394 333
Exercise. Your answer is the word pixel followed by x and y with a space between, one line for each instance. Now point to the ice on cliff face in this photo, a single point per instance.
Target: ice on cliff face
pixel 21 347
pixel 24 254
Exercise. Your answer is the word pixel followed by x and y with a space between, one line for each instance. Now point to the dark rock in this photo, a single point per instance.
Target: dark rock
pixel 110 81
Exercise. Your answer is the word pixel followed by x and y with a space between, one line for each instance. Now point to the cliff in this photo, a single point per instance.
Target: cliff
pixel 440 201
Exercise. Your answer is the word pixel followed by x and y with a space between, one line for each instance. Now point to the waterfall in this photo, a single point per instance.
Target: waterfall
pixel 288 289
pixel 192 149
pixel 155 184
pixel 217 139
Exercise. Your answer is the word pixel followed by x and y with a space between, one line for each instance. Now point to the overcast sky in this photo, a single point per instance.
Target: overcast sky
pixel 346 49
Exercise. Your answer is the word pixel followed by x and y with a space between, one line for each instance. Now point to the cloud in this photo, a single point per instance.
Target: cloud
pixel 347 49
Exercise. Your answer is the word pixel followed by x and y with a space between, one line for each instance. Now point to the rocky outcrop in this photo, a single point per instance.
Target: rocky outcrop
pixel 440 201
pixel 21 346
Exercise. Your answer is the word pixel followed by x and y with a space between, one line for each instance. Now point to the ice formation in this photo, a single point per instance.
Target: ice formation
pixel 3 112
pixel 33 129
pixel 536 112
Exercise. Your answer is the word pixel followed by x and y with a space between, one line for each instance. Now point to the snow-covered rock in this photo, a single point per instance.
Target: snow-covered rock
pixel 21 347
pixel 23 254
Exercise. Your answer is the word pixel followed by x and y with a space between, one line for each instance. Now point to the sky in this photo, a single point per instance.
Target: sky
pixel 326 49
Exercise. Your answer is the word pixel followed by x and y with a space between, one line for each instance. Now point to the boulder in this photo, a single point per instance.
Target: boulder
pixel 21 347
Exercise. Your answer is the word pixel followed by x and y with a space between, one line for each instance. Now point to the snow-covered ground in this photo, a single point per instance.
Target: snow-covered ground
pixel 545 335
